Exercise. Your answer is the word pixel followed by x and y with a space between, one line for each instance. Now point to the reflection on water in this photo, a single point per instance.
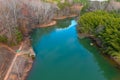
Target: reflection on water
pixel 62 56
pixel 109 70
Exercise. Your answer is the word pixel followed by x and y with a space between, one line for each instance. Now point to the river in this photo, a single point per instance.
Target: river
pixel 61 55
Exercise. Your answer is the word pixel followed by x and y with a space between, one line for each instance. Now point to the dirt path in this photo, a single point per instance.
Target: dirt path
pixel 13 61
pixel 10 68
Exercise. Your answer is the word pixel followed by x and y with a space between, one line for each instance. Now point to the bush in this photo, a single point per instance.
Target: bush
pixel 19 36
pixel 3 39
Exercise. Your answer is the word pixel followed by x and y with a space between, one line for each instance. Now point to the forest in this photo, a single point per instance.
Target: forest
pixel 105 26
pixel 19 17
pixel 21 33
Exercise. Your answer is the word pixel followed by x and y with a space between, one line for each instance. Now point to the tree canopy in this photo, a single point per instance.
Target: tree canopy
pixel 105 26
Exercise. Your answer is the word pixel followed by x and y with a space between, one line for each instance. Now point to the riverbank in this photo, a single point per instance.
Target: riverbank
pixel 20 62
pixel 64 17
pixel 54 22
pixel 6 56
pixel 115 60
pixel 80 58
pixel 22 59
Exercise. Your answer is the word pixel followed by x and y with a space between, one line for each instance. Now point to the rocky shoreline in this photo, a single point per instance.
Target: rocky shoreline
pixel 114 59
pixel 54 22
pixel 98 43
pixel 28 54
pixel 24 61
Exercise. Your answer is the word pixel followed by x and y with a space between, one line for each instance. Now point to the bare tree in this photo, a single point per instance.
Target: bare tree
pixel 32 11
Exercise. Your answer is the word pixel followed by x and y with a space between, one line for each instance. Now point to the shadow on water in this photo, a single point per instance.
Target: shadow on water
pixel 108 69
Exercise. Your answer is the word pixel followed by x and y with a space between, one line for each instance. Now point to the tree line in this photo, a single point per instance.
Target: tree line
pixel 18 17
pixel 105 26
pixel 14 14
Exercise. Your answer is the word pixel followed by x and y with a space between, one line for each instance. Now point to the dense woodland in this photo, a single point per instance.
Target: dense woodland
pixel 105 26
pixel 104 23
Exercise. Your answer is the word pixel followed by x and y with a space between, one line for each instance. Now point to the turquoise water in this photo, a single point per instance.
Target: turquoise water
pixel 61 55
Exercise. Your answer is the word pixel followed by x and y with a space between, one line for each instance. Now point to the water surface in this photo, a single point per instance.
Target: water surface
pixel 61 55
